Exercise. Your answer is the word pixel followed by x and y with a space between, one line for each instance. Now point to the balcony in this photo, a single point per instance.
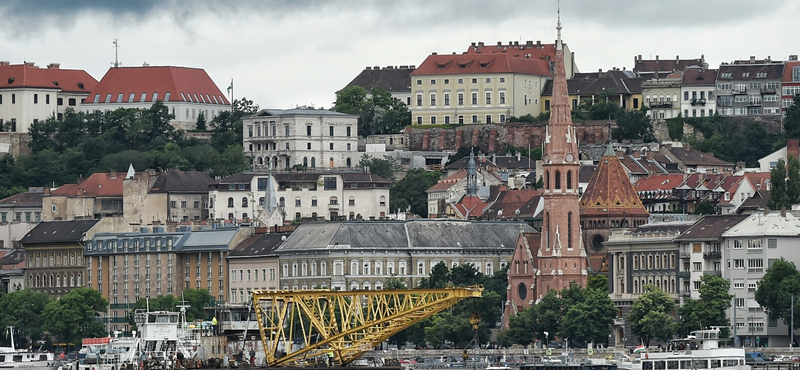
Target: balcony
pixel 765 91
pixel 684 255
pixel 712 254
pixel 752 103
pixel 619 321
pixel 660 104
pixel 698 102
pixel 684 274
pixel 739 92
pixel 715 273
pixel 333 206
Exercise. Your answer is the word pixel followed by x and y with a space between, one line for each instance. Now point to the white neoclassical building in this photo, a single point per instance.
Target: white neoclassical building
pixel 353 255
pixel 321 196
pixel 312 138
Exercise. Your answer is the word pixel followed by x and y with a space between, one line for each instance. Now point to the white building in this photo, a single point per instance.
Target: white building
pixel 697 93
pixel 187 92
pixel 750 248
pixel 322 196
pixel 31 94
pixel 305 137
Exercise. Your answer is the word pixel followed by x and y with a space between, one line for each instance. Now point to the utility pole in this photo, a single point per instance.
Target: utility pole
pixel 791 328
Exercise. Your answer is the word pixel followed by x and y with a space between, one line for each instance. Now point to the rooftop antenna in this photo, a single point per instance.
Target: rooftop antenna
pixel 558 27
pixel 116 52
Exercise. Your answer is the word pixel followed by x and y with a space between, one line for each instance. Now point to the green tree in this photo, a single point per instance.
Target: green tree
pixel 522 327
pixel 378 112
pixel 778 196
pixel 74 315
pixel 23 310
pixel 791 122
pixel 597 282
pixel 793 180
pixel 438 278
pixel 775 290
pixel 589 320
pixel 410 191
pixel 549 315
pixel 201 122
pixel 385 167
pixel 197 299
pixel 650 317
pixel 634 125
pixel 709 310
pixel 705 208
pixel 675 128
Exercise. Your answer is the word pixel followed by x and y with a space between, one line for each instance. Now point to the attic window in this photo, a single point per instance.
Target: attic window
pixel 202 100
pixel 745 74
pixel 155 96
pixel 196 100
pixel 11 80
pixel 131 97
pixel 183 97
pixel 465 65
pixel 486 64
pixel 726 75
pixel 221 99
pixel 119 98
pixel 80 85
pixel 215 99
pixel 166 96
pixel 108 98
pixel 208 99
pixel 55 83
pixel 143 97
pixel 761 75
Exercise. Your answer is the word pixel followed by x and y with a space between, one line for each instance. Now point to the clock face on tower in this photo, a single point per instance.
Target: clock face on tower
pixel 569 157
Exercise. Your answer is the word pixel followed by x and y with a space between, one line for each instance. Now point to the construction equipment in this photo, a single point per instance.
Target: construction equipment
pixel 299 326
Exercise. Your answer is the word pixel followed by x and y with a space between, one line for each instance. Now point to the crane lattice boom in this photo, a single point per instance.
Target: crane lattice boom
pixel 298 325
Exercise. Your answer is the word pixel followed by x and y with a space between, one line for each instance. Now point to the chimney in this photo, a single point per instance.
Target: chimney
pixel 377 68
pixel 651 154
pixel 793 57
pixel 677 60
pixel 783 212
pixel 5 63
pixel 656 58
pixel 529 43
pixel 793 148
pixel 30 64
pixel 113 175
pixel 480 44
pixel 434 53
pixel 369 68
pixel 412 66
pixel 516 43
pixel 499 43
pixel 54 66
pixel 752 59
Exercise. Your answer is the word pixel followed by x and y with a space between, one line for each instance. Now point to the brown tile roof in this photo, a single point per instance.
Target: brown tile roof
pixel 176 181
pixel 448 182
pixel 470 205
pixel 620 82
pixel 64 190
pixel 21 75
pixel 182 83
pixel 13 260
pixel 758 201
pixel 70 80
pixel 697 76
pixel 58 232
pixel 100 184
pixel 537 51
pixel 610 191
pixel 509 201
pixel 750 72
pixel 759 180
pixel 30 197
pixel 389 78
pixel 711 227
pixel 652 65
pixel 481 64
pixel 693 157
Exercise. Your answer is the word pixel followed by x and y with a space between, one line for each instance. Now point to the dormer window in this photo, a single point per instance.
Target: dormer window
pixel 745 74
pixel 761 75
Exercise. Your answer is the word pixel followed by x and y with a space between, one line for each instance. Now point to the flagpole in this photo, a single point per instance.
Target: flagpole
pixel 230 95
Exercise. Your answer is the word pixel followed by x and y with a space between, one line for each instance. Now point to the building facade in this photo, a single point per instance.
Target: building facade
pixel 99 195
pixel 661 96
pixel 750 88
pixel 187 92
pixel 748 249
pixel 697 93
pixel 472 88
pixel 364 255
pixel 790 83
pixel 393 79
pixel 284 138
pixel 327 195
pixel 175 196
pixel 19 214
pixel 126 267
pixel 35 94
pixel 254 265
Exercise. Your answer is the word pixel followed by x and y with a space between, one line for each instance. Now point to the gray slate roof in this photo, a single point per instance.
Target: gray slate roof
pixel 414 234
pixel 258 245
pixel 390 79
pixel 205 239
pixel 174 181
pixel 58 232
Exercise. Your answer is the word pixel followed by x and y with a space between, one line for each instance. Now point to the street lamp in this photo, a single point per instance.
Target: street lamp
pixel 546 339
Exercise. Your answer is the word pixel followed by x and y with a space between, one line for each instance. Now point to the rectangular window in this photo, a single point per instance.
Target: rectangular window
pixel 488 98
pixel 35 98
pixel 419 100
pixel 460 98
pixel 446 99
pixel 433 82
pixel 488 118
pixel 47 99
pixel 433 120
pixel 348 131
pixel 446 120
pixel 474 118
pixel 330 183
pixel 502 97
pixel 474 98
pixel 433 100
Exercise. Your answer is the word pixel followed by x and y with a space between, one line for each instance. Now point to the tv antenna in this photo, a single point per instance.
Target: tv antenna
pixel 116 52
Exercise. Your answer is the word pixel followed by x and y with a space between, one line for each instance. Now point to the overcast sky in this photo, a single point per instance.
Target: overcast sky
pixel 283 53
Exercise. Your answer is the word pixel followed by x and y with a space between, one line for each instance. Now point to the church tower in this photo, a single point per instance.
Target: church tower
pixel 561 258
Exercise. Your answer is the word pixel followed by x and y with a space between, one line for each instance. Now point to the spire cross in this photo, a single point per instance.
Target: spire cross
pixel 558 27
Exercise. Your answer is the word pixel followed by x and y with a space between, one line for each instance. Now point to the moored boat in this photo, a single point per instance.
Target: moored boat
pixel 700 350
pixel 13 358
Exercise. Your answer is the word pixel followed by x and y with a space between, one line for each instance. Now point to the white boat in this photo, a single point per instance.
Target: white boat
pixel 12 358
pixel 700 350
pixel 164 337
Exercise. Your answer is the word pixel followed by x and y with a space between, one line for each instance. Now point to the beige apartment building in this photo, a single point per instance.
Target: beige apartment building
pixel 253 265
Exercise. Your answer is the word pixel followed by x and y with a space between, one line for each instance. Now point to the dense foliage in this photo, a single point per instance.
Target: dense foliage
pixel 62 151
pixel 780 284
pixel 729 139
pixel 409 193
pixel 385 167
pixel 378 112
pixel 709 310
pixel 74 316
pixel 650 316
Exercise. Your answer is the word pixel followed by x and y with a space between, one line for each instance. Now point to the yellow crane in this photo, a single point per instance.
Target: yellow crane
pixel 311 324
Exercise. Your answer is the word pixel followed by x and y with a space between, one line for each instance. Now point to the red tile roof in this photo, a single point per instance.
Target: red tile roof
pixel 448 182
pixel 787 71
pixel 64 190
pixel 100 185
pixel 759 180
pixel 481 64
pixel 30 197
pixel 53 77
pixel 183 84
pixel 470 205
pixel 509 201
pixel 658 182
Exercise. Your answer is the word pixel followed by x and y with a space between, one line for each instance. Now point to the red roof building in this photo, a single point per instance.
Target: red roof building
pixel 29 94
pixel 790 83
pixel 97 196
pixel 477 88
pixel 187 92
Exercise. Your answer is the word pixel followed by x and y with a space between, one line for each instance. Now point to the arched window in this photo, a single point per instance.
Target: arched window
pixel 349 163
pixel 80 280
pixel 323 268
pixel 230 202
pixel 557 180
pixel 334 201
pixel 569 179
pixel 313 201
pixel 282 202
pixel 297 202
pixel 331 162
pixel 313 162
pixel 244 202
pixel 305 161
pixel 383 201
pixel 547 180
pixel 351 201
pixel 547 227
pixel 261 201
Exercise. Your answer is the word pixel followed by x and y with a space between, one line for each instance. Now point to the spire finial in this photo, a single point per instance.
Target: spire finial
pixel 558 27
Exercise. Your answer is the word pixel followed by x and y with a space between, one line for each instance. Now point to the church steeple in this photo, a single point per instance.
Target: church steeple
pixel 559 46
pixel 472 175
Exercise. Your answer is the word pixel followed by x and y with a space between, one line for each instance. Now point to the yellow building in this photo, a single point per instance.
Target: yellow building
pixel 624 87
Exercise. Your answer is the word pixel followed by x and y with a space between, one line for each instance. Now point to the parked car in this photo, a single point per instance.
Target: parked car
pixel 550 360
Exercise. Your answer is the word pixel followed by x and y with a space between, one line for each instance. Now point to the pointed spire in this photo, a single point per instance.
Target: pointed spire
pixel 610 148
pixel 559 46
pixel 131 172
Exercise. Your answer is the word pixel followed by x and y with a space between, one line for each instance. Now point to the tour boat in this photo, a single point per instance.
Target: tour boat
pixel 700 350
pixel 13 358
